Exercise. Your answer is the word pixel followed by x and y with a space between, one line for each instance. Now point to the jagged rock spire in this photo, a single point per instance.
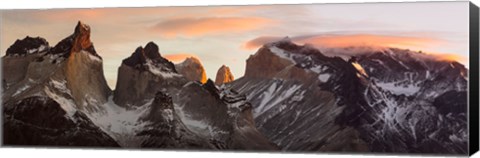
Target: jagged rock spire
pixel 223 75
pixel 79 40
pixel 82 37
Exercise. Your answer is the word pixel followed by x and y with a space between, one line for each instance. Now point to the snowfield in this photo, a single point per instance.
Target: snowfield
pixel 157 71
pixel 120 123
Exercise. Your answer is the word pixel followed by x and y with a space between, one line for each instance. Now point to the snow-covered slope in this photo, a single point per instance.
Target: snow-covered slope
pixel 377 101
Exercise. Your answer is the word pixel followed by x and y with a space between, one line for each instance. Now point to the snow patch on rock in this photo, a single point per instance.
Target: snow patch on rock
pixel 20 90
pixel 324 77
pixel 66 104
pixel 92 57
pixel 60 85
pixel 273 96
pixel 281 53
pixel 200 127
pixel 41 48
pixel 158 72
pixel 408 90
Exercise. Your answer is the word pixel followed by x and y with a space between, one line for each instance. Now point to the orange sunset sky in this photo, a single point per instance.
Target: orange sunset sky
pixel 229 34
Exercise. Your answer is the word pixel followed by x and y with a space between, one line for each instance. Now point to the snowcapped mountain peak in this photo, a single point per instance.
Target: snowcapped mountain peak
pixel 149 59
pixel 143 74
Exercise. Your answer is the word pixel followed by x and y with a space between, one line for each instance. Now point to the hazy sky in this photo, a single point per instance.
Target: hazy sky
pixel 228 35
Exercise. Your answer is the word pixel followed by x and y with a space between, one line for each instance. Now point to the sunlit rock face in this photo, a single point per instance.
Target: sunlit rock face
pixel 192 69
pixel 224 75
pixel 84 71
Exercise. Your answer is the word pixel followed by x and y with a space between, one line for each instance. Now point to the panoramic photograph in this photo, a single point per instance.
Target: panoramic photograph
pixel 317 78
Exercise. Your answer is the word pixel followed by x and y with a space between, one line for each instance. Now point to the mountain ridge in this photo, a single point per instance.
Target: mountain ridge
pixel 387 101
pixel 374 106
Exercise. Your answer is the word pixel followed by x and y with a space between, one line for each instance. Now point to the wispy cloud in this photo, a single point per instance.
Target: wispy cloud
pixel 98 14
pixel 351 40
pixel 208 26
pixel 449 57
pixel 179 57
pixel 424 44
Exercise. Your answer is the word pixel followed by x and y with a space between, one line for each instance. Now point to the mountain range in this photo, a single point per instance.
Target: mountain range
pixel 291 98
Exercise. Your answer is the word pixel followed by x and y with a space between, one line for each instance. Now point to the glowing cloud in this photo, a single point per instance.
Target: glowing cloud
pixel 449 57
pixel 371 40
pixel 208 26
pixel 258 42
pixel 360 40
pixel 99 14
pixel 176 58
pixel 351 40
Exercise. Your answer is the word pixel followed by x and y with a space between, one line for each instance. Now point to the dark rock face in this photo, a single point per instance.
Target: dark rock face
pixel 166 130
pixel 451 102
pixel 406 68
pixel 40 121
pixel 406 87
pixel 64 47
pixel 28 45
pixel 223 110
pixel 223 75
pixel 377 101
pixel 161 103
pixel 150 53
pixel 137 58
pixel 224 121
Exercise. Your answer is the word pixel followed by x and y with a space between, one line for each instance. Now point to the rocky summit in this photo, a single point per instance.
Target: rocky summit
pixel 223 75
pixel 28 45
pixel 142 74
pixel 192 69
